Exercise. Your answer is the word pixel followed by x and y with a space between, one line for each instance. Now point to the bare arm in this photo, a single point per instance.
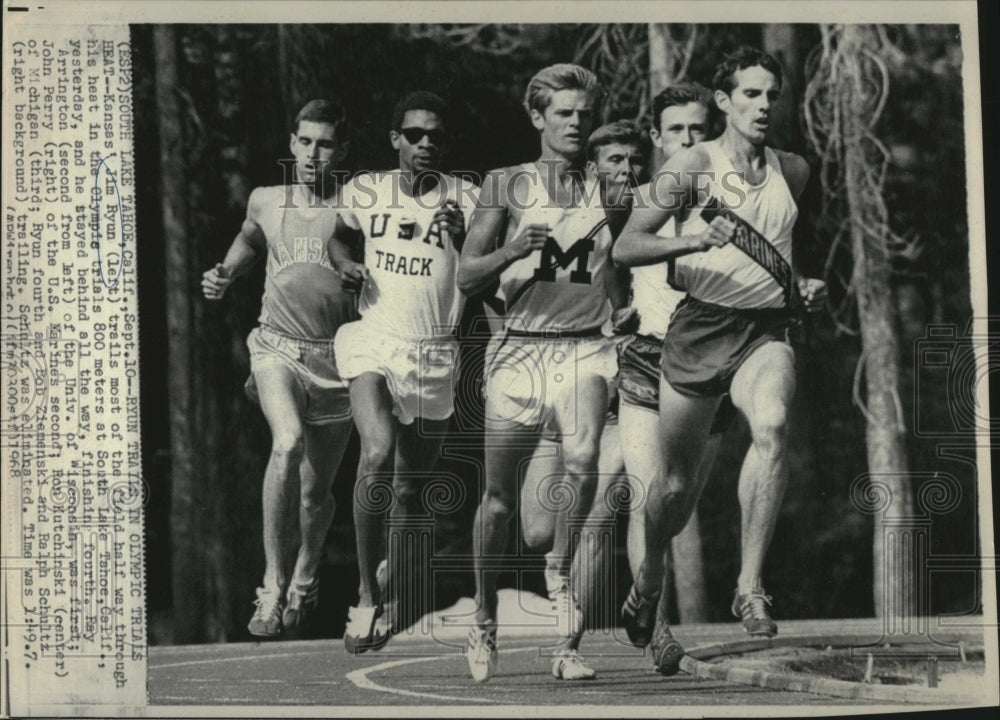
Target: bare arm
pixel 671 189
pixel 812 290
pixel 339 247
pixel 482 261
pixel 248 246
pixel 618 279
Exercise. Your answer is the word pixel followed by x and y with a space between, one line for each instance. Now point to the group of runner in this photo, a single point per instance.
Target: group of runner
pixel 364 288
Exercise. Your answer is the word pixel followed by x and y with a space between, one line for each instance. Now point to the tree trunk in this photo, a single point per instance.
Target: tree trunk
pixel 187 579
pixel 782 41
pixel 894 577
pixel 662 68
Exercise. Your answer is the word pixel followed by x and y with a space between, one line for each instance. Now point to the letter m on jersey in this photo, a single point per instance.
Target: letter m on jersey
pixel 553 257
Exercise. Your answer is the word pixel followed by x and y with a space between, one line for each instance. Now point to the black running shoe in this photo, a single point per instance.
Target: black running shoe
pixel 639 617
pixel 667 652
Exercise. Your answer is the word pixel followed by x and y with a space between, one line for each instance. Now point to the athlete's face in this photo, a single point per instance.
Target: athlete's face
pixel 565 125
pixel 681 126
pixel 420 141
pixel 616 167
pixel 315 149
pixel 748 106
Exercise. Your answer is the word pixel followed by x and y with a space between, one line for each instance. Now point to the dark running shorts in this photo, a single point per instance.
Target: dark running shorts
pixel 639 379
pixel 706 344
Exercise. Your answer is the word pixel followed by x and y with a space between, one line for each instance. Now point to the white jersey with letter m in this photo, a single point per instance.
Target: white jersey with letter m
pixel 559 288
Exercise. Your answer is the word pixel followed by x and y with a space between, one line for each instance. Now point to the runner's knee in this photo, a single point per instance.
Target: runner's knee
pixel 499 504
pixel 408 495
pixel 314 500
pixel 376 453
pixel 769 427
pixel 581 458
pixel 288 445
pixel 537 535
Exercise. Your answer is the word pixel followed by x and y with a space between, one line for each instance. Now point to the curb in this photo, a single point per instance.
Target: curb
pixel 694 663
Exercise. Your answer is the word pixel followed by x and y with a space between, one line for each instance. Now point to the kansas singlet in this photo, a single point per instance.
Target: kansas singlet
pixel 413 291
pixel 561 287
pixel 302 292
pixel 727 275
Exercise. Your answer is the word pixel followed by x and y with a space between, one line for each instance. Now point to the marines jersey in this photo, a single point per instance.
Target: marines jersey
pixel 728 275
pixel 302 292
pixel 413 291
pixel 560 287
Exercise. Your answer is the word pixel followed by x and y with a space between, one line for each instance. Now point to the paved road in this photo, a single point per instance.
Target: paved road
pixel 415 671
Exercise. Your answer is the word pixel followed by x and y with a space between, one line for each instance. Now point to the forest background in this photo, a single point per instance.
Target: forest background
pixel 883 415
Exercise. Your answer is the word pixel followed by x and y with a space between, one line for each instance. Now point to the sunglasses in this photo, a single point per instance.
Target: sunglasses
pixel 414 135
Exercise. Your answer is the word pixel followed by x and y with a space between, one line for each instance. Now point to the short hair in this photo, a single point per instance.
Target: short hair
pixel 679 94
pixel 742 58
pixel 419 100
pixel 552 79
pixel 323 111
pixel 621 131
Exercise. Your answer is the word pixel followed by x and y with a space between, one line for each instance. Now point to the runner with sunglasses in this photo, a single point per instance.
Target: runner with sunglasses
pixel 400 357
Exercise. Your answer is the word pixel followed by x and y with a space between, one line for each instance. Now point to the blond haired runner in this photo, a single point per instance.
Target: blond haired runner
pixel 541 233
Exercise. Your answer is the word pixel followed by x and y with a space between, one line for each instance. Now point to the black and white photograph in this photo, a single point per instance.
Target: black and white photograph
pixel 524 361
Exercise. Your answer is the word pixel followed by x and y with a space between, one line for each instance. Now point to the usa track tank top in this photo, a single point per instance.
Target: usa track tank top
pixel 413 291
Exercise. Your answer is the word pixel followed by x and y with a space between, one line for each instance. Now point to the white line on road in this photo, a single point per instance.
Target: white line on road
pixel 361 679
pixel 212 661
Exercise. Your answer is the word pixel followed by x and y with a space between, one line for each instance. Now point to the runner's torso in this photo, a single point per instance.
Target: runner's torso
pixel 561 287
pixel 652 296
pixel 413 291
pixel 727 275
pixel 302 292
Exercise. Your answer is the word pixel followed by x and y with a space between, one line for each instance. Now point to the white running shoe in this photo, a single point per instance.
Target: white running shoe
pixel 569 616
pixel 482 652
pixel 568 665
pixel 382 577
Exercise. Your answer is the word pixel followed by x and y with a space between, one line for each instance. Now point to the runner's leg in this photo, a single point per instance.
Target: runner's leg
pixel 684 426
pixel 507 450
pixel 762 389
pixel 418 446
pixel 371 404
pixel 282 402
pixel 324 450
pixel 581 413
pixel 594 561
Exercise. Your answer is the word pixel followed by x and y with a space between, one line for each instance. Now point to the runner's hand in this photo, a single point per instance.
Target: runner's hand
pixel 532 238
pixel 353 276
pixel 452 221
pixel 813 294
pixel 718 233
pixel 624 321
pixel 215 282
